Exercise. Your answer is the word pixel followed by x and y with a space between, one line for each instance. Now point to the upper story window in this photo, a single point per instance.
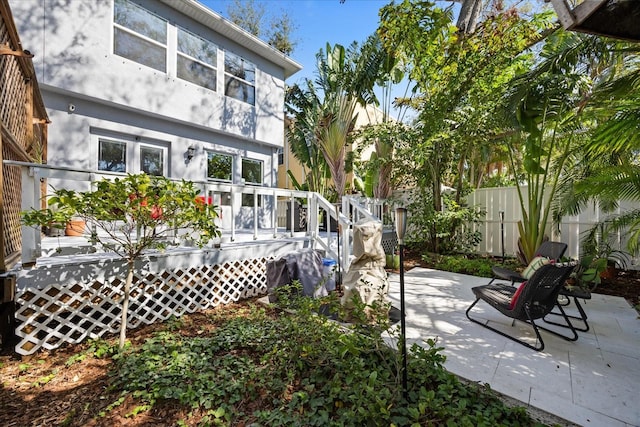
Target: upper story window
pixel 146 38
pixel 130 157
pixel 197 59
pixel 139 35
pixel 252 171
pixel 219 166
pixel 239 78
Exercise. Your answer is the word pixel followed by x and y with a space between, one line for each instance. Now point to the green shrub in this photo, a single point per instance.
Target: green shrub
pixel 298 368
pixel 474 266
pixel 445 232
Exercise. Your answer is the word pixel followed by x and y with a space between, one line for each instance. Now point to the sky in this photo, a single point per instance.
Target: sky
pixel 319 22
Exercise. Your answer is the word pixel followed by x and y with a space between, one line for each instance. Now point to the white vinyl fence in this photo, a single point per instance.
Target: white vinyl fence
pixel 572 228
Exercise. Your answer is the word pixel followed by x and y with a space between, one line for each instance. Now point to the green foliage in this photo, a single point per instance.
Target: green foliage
pixel 134 213
pixel 458 82
pixel 44 380
pixel 587 272
pixel 276 29
pixel 461 264
pixel 100 348
pixel 299 368
pixel 378 171
pixel 447 231
pixel 76 358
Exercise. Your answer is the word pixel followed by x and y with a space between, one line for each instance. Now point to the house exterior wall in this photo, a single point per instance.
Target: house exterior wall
pixel 93 93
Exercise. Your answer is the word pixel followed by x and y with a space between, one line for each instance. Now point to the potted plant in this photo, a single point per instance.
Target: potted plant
pixel 75 227
pixel 57 225
pixel 604 257
pixel 393 261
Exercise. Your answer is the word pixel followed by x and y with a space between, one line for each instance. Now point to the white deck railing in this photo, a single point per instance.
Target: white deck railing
pixel 263 217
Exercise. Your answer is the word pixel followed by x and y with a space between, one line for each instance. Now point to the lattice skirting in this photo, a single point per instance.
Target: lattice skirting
pixel 389 241
pixel 55 314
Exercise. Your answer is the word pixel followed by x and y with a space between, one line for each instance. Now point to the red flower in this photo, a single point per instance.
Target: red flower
pixel 156 212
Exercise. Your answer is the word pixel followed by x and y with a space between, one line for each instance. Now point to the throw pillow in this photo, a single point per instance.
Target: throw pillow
pixel 516 295
pixel 535 264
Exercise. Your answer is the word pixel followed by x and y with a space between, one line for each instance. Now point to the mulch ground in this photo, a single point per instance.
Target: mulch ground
pixel 53 388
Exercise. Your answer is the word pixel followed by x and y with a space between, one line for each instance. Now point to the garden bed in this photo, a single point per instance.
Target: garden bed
pixel 238 365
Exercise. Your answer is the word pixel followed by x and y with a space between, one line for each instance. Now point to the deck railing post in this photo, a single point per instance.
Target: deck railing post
pixel 291 214
pixel 274 213
pixel 31 240
pixel 236 206
pixel 256 217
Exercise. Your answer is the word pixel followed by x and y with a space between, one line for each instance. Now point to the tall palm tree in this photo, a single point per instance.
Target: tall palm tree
pixel 558 99
pixel 333 136
pixel 304 106
pixel 325 109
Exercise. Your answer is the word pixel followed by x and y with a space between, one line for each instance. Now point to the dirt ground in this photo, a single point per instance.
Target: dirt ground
pixel 63 388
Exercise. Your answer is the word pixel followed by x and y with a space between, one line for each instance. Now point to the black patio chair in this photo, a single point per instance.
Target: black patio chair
pixel 577 294
pixel 548 249
pixel 533 300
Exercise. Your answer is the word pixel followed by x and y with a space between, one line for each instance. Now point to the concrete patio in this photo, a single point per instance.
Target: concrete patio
pixel 594 381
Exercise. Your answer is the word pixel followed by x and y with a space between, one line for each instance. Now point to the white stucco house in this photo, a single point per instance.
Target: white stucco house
pixel 165 87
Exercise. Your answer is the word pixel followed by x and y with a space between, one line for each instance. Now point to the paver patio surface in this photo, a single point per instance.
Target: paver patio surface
pixel 594 381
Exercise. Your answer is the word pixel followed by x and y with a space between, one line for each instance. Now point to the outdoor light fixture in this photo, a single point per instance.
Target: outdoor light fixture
pixel 401 229
pixel 401 224
pixel 191 151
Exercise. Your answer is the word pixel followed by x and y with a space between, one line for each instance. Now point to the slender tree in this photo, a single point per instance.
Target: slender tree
pixel 130 216
pixel 247 14
pixel 458 81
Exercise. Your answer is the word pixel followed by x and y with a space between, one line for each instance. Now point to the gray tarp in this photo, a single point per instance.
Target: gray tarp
pixel 304 265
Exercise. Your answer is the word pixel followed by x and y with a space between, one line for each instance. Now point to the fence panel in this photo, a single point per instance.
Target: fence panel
pixel 572 228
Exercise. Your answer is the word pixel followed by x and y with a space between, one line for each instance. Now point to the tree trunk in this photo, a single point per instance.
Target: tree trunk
pixel 469 14
pixel 125 304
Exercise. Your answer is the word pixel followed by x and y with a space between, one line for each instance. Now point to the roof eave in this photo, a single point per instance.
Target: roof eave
pixel 219 24
pixel 611 18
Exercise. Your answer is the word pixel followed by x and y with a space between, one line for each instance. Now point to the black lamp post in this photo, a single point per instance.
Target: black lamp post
pixel 401 228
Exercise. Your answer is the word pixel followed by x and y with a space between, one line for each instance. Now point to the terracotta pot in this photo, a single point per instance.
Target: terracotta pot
pixel 75 227
pixel 609 273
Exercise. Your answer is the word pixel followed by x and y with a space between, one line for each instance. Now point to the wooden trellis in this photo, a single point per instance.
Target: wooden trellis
pixel 23 130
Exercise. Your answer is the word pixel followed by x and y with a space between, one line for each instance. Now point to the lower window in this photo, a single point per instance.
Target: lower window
pixel 252 171
pixel 132 157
